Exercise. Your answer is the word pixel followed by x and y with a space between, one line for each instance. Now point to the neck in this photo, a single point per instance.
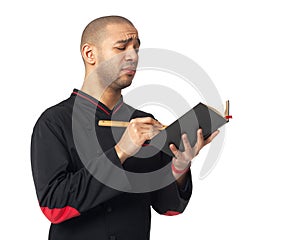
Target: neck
pixel 108 96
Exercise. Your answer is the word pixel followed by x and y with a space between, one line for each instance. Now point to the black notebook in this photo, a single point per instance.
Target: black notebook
pixel 200 116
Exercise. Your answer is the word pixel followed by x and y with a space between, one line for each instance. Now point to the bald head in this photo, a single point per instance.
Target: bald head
pixel 95 31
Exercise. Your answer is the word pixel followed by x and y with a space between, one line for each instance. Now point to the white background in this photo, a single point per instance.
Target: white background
pixel 251 51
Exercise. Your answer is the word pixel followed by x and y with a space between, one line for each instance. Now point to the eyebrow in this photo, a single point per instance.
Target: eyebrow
pixel 128 40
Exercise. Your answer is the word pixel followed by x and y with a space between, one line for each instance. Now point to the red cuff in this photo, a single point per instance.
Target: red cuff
pixel 171 213
pixel 58 215
pixel 175 170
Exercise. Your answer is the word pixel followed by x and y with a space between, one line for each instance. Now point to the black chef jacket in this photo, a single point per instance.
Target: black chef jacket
pixel 79 206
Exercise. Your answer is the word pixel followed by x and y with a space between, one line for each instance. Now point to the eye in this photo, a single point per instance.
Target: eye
pixel 121 48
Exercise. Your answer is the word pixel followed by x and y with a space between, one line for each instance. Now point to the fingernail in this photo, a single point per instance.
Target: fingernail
pixel 158 123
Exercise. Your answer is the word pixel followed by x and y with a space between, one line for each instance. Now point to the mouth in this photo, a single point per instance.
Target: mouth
pixel 129 71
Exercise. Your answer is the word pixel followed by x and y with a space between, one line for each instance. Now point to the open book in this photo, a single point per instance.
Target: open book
pixel 200 116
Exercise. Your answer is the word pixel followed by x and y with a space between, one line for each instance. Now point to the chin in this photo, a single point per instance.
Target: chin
pixel 123 82
pixel 126 84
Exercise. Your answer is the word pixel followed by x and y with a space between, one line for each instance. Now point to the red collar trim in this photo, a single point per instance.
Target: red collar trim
pixel 91 101
pixel 116 108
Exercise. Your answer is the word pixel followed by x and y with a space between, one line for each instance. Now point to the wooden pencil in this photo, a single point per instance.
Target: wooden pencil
pixel 108 123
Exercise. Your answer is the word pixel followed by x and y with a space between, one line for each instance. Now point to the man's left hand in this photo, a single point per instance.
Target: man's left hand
pixel 182 160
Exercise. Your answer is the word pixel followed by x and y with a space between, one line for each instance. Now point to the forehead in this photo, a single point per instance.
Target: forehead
pixel 116 32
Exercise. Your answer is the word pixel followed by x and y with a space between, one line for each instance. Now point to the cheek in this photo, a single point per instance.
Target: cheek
pixel 109 69
pixel 114 60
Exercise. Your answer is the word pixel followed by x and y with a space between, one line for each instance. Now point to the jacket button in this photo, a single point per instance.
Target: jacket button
pixel 112 238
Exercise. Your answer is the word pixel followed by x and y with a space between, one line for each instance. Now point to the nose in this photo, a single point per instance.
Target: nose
pixel 131 55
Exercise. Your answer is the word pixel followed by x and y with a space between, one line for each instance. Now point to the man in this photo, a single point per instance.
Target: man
pixel 77 186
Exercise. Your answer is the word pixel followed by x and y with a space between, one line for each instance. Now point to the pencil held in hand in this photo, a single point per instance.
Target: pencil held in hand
pixel 107 123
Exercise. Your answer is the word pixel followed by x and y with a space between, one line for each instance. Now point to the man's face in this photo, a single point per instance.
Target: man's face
pixel 117 56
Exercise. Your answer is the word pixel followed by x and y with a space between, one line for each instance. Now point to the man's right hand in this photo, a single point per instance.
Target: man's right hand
pixel 138 131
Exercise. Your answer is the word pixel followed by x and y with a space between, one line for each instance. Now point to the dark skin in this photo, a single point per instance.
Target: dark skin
pixel 119 52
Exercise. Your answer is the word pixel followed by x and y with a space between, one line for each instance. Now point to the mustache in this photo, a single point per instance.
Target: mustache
pixel 131 66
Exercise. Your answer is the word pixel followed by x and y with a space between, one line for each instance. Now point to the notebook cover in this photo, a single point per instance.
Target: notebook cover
pixel 200 116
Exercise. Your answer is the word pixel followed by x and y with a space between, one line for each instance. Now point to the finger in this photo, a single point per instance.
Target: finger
pixel 160 126
pixel 200 142
pixel 146 120
pixel 149 134
pixel 174 150
pixel 143 131
pixel 211 137
pixel 149 128
pixel 186 142
pixel 155 132
pixel 146 127
pixel 154 123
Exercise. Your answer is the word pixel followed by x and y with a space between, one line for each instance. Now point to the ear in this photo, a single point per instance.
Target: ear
pixel 88 54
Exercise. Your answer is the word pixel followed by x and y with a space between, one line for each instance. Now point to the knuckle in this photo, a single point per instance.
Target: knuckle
pixel 133 120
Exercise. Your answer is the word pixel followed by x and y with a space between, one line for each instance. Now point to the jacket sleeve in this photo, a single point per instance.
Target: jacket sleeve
pixel 172 199
pixel 63 192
